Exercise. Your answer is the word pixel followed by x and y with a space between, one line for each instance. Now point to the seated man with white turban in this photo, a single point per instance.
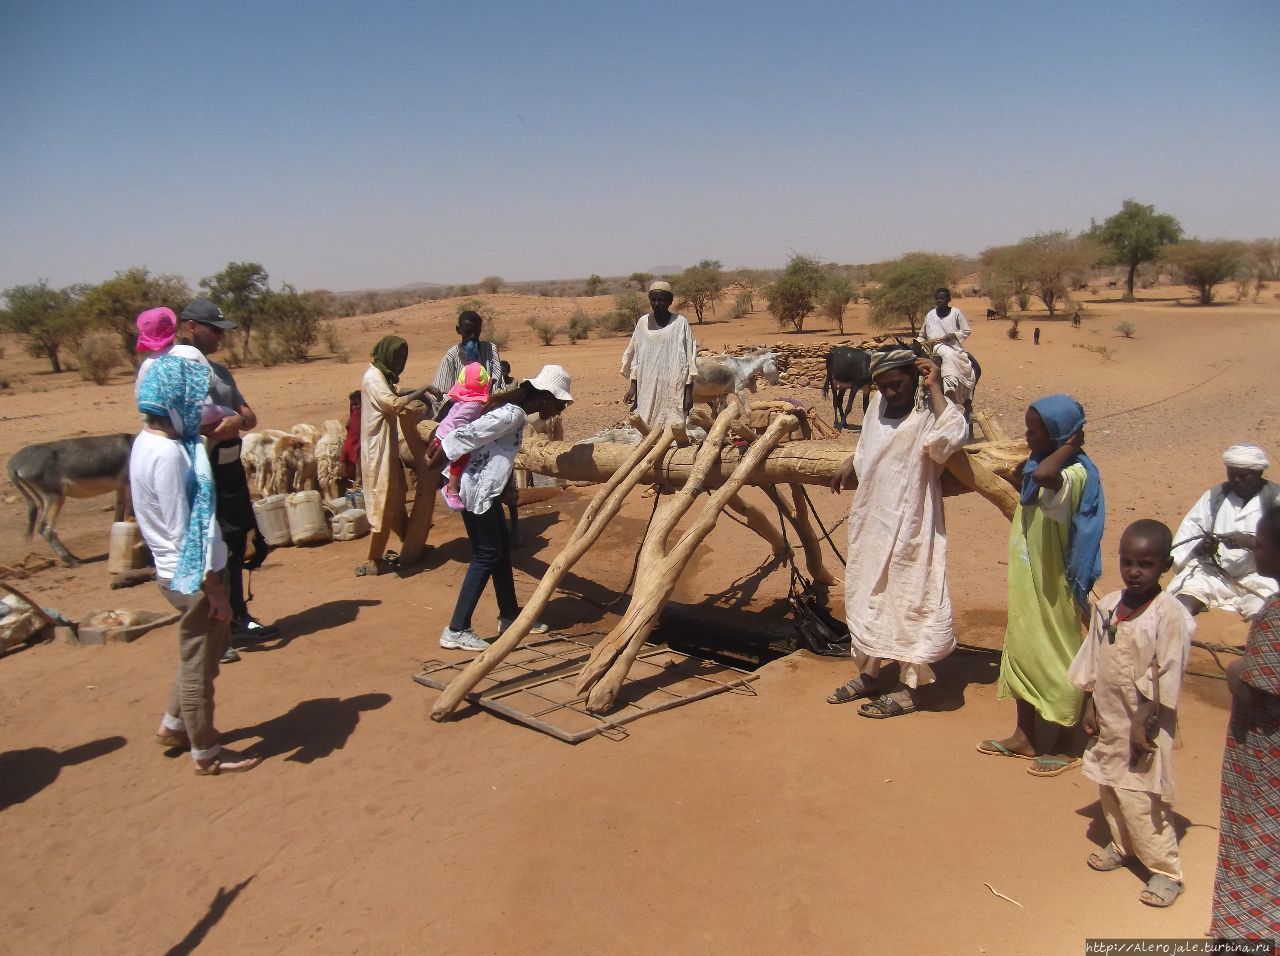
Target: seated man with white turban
pixel 1213 549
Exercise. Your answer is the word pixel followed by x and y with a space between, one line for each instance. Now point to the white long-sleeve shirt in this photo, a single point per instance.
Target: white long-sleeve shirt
pixel 158 470
pixel 492 440
pixel 951 330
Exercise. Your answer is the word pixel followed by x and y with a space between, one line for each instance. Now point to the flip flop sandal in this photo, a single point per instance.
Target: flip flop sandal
pixel 1161 891
pixel 886 706
pixel 855 689
pixel 234 764
pixel 1052 766
pixel 1106 861
pixel 994 748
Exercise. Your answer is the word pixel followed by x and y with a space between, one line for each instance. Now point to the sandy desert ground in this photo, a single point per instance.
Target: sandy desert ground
pixel 771 823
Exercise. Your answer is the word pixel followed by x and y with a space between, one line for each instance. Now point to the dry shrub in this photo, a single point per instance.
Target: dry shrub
pixel 578 327
pixel 1126 328
pixel 333 342
pixel 98 357
pixel 544 330
pixel 614 323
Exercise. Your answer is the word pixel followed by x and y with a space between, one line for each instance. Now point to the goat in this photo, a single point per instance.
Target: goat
pixel 718 375
pixel 256 458
pixel 293 465
pixel 848 372
pixel 308 433
pixel 328 459
pixel 48 473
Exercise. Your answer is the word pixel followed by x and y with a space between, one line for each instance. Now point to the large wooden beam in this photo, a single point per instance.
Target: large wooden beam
pixel 989 468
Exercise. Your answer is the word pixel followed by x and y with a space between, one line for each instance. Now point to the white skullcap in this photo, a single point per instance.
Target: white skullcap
pixel 1245 456
pixel 660 286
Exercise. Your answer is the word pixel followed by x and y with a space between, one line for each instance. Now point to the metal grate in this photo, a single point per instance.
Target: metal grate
pixel 534 685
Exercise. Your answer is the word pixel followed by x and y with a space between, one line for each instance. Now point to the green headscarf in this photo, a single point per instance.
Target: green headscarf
pixel 382 354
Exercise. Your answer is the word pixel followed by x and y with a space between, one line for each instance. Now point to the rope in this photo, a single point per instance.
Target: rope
pixel 1167 398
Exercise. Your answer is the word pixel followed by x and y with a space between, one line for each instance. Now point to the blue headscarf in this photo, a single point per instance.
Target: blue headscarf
pixel 176 388
pixel 1063 416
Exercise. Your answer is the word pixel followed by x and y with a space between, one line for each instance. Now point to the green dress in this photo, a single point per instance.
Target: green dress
pixel 1044 630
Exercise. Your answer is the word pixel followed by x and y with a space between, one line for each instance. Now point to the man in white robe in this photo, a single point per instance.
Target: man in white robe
pixel 896 600
pixel 660 361
pixel 944 331
pixel 1213 548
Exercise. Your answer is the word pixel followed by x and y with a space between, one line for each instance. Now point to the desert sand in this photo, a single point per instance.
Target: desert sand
pixel 762 823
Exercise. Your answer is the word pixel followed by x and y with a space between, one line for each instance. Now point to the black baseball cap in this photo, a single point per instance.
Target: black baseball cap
pixel 206 313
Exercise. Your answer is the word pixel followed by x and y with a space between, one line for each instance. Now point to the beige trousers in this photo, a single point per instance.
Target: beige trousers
pixel 201 643
pixel 1142 826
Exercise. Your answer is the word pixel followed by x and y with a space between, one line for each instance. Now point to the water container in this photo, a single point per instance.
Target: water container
pixel 127 550
pixel 355 499
pixel 349 525
pixel 306 518
pixel 273 520
pixel 337 505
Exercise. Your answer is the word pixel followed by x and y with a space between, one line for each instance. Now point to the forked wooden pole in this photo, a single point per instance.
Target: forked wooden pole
pixel 604 506
pixel 417 436
pixel 660 568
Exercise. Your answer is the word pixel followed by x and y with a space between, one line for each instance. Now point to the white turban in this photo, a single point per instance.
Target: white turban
pixel 1245 456
pixel 660 286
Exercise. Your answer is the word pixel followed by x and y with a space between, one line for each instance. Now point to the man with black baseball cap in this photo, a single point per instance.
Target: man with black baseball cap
pixel 203 325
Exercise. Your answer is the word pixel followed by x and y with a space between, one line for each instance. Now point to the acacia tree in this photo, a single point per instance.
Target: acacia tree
pixel 1266 253
pixel 906 289
pixel 491 284
pixel 1005 274
pixel 642 280
pixel 1204 264
pixel 239 291
pixel 114 304
pixel 1051 261
pixel 593 285
pixel 699 286
pixel 793 294
pixel 47 320
pixel 1136 235
pixel 836 294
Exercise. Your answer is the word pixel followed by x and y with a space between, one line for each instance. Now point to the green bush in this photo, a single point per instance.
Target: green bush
pixel 615 323
pixel 333 342
pixel 578 327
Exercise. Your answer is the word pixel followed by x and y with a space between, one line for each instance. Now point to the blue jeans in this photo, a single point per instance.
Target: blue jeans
pixel 490 558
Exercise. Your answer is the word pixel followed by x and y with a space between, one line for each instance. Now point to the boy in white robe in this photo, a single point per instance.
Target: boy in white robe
pixel 945 330
pixel 1130 668
pixel 896 600
pixel 1213 552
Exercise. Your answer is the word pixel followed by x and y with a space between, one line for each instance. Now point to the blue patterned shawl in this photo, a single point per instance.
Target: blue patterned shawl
pixel 1063 416
pixel 177 387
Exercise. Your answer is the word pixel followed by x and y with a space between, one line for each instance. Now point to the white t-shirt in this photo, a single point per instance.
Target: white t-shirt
pixel 158 469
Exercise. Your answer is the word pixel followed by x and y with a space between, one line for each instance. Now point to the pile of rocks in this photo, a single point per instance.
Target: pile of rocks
pixel 801 365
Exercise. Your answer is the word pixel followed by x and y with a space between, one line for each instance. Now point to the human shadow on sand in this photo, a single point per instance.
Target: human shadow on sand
pixel 322 617
pixel 24 773
pixel 218 906
pixel 312 730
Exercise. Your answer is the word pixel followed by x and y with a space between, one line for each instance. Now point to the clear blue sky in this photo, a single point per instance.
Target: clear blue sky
pixel 350 145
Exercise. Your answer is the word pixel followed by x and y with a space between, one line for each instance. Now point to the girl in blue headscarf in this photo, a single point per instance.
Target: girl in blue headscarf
pixel 1054 559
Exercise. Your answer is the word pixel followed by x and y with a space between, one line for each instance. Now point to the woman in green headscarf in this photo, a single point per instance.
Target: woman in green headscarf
pixel 383 475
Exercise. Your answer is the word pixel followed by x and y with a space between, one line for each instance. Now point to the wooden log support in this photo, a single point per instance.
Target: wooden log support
pixel 602 509
pixel 417 436
pixel 992 467
pixel 660 567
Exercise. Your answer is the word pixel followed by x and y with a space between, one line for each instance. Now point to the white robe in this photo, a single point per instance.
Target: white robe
pixel 1198 578
pixel 383 475
pixel 662 362
pixel 947 337
pixel 895 592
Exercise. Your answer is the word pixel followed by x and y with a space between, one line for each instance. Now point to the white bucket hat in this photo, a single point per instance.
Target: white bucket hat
pixel 554 379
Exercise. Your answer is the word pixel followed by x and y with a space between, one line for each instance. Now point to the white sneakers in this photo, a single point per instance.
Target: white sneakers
pixel 464 640
pixel 506 622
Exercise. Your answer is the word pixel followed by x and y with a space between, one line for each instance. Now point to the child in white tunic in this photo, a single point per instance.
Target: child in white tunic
pixel 1130 668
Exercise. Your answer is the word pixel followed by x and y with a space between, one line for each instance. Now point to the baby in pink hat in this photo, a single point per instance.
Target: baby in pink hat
pixel 157 330
pixel 469 395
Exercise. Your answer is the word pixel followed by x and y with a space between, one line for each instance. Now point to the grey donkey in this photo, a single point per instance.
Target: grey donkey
pixel 50 472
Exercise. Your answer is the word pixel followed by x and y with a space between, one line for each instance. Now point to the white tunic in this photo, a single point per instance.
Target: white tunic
pixel 662 362
pixel 947 336
pixel 383 475
pixel 1114 664
pixel 895 593
pixel 492 440
pixel 1198 578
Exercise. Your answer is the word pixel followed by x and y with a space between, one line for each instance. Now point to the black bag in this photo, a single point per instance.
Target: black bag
pixel 816 629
